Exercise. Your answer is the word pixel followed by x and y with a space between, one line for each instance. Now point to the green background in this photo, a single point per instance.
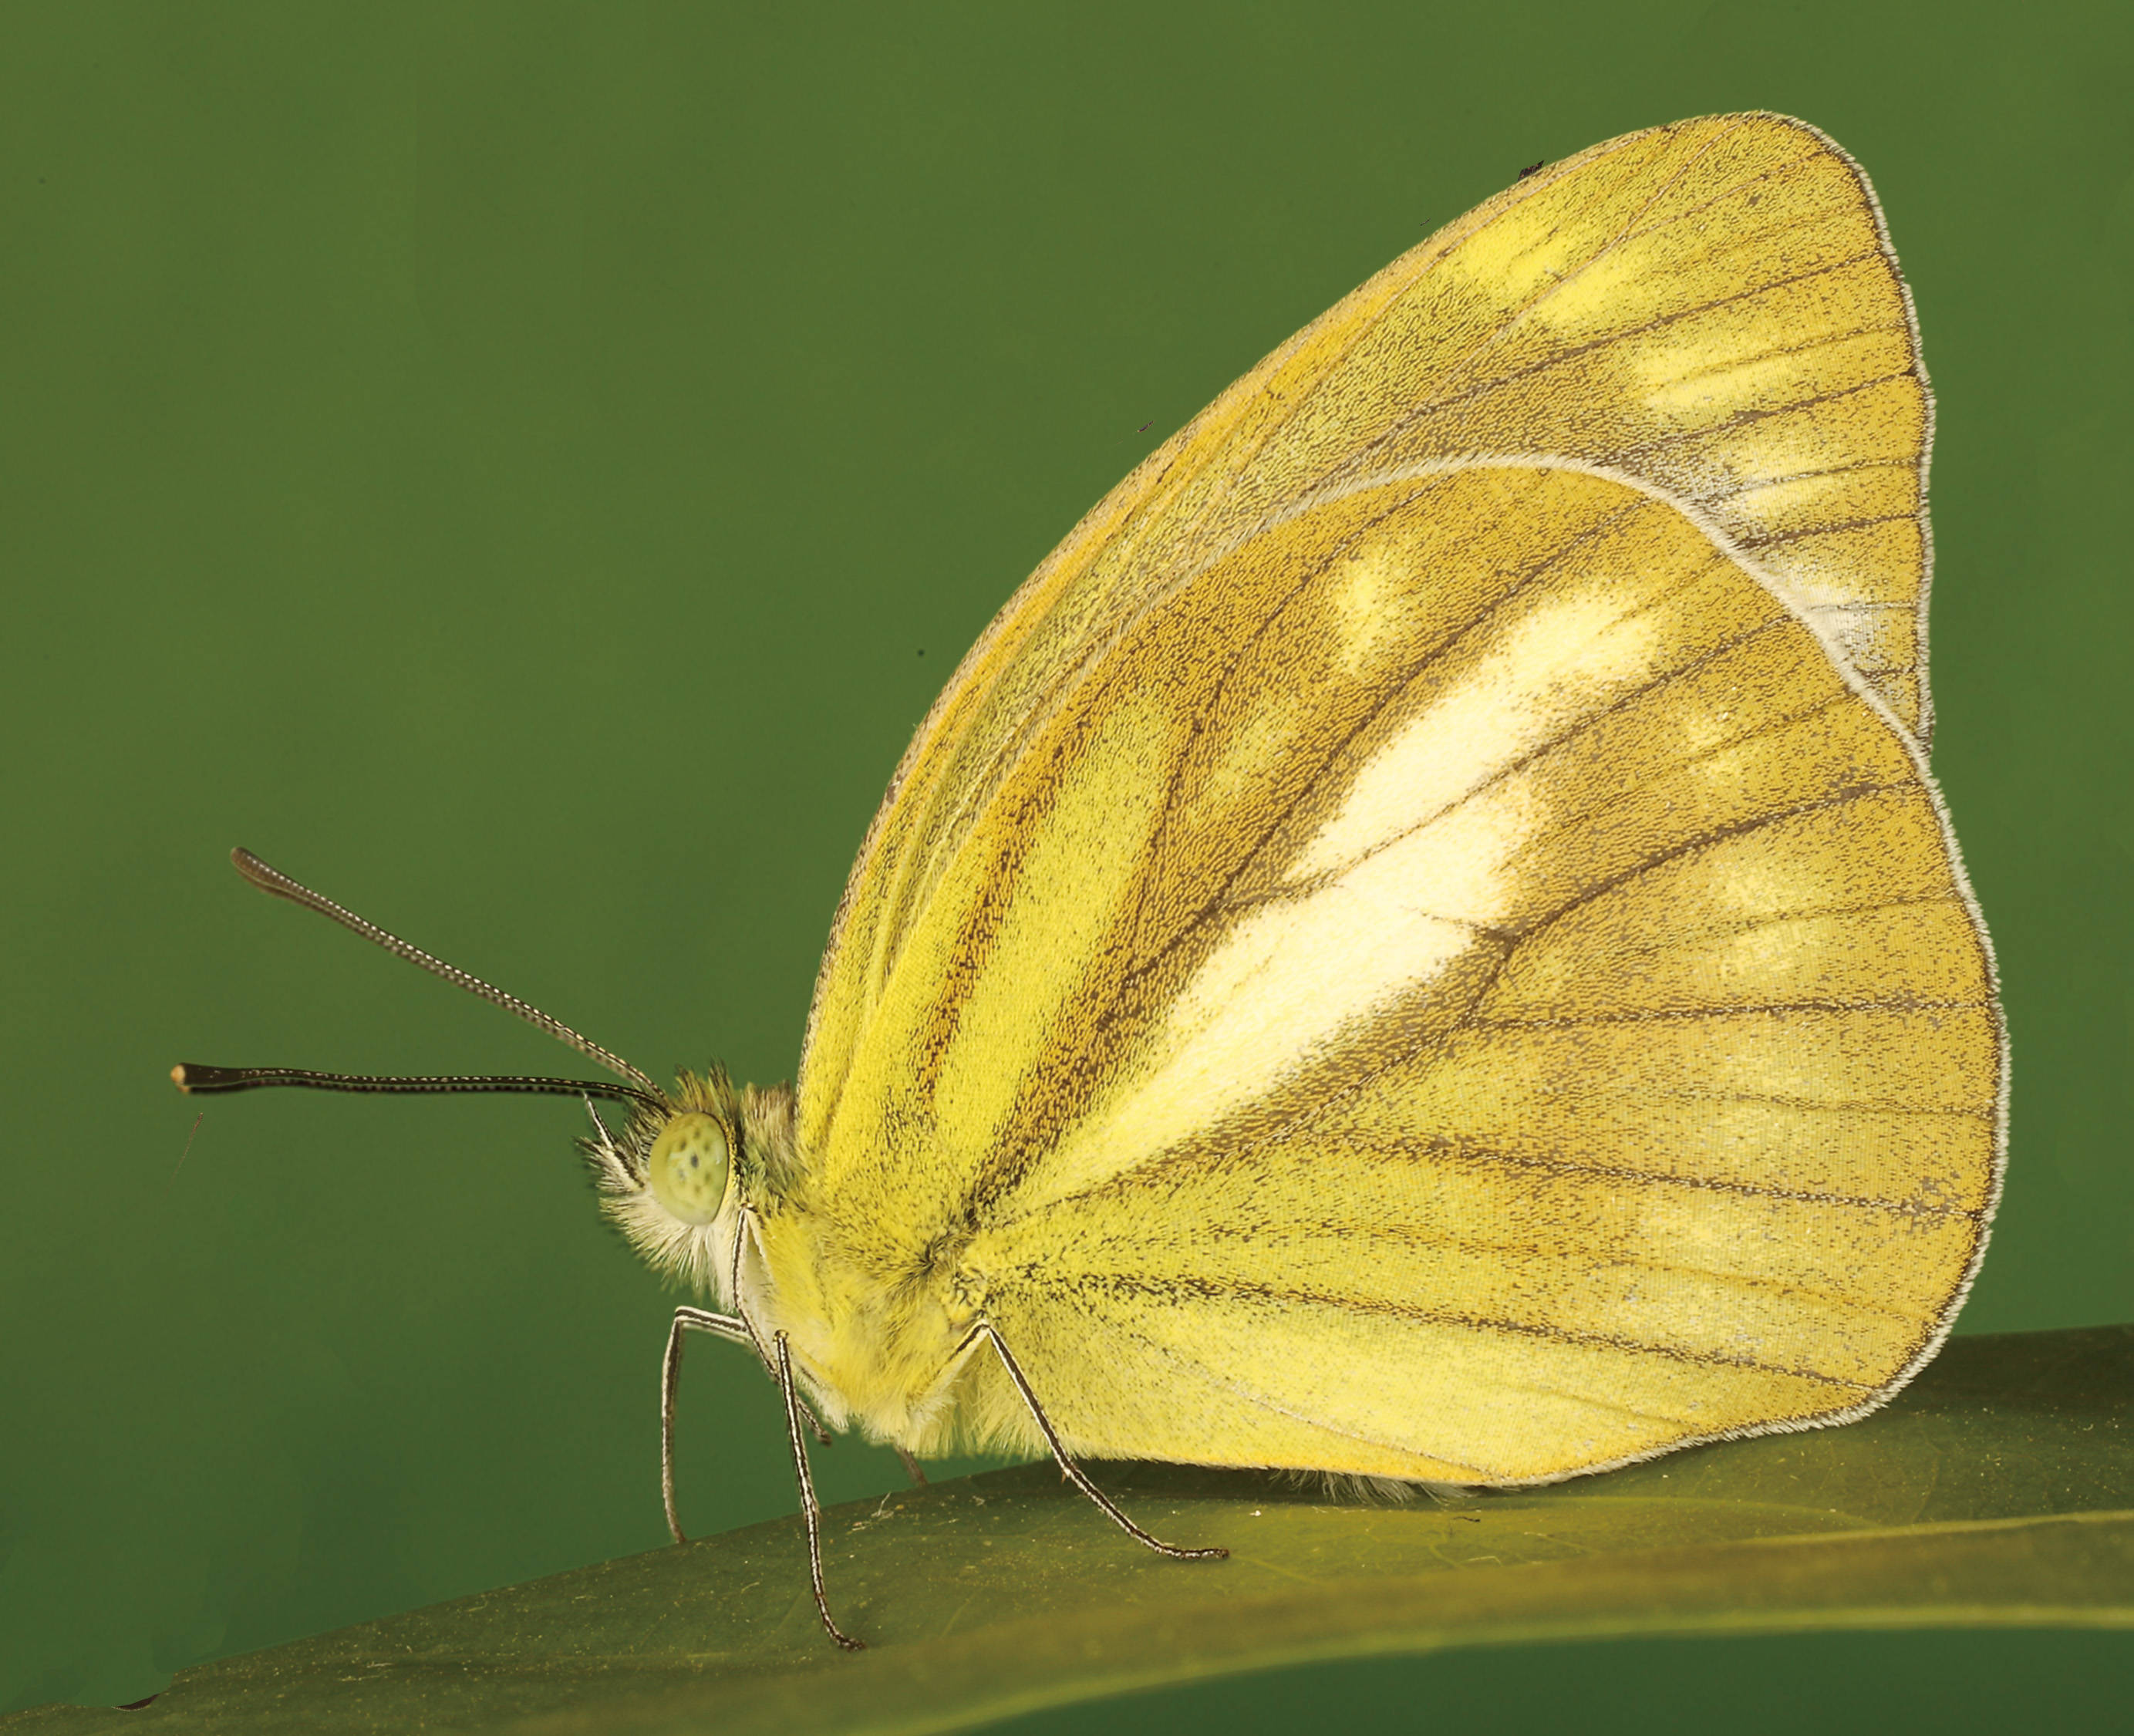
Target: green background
pixel 525 469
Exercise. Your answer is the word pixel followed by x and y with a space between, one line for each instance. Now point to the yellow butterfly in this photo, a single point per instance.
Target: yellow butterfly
pixel 1420 942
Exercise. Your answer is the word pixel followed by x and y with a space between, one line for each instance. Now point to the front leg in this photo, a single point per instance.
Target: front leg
pixel 729 1327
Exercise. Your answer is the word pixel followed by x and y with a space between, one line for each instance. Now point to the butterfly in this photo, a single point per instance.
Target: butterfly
pixel 1420 942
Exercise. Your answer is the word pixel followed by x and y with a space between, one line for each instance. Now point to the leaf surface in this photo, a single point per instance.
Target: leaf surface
pixel 1997 1491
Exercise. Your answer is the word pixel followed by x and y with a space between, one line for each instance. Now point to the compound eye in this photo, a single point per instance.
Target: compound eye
pixel 688 1167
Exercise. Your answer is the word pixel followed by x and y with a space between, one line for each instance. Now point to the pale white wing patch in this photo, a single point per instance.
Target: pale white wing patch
pixel 1412 869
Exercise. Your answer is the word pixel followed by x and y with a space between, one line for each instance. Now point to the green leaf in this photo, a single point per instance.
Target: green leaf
pixel 1999 1490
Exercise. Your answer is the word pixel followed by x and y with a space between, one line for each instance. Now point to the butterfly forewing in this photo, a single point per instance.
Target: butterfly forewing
pixel 1710 306
pixel 1722 318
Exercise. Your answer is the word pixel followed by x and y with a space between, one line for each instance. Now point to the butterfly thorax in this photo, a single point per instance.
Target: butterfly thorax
pixel 877 1331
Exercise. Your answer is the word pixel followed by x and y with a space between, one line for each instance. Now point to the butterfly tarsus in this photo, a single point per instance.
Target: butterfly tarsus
pixel 808 1510
pixel 1075 1474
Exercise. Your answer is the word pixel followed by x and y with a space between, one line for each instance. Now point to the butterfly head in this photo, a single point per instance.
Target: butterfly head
pixel 674 1178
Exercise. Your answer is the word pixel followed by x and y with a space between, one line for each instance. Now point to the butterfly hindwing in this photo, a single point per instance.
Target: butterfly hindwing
pixel 1474 939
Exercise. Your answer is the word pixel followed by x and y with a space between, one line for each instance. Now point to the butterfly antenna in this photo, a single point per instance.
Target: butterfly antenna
pixel 272 881
pixel 196 1078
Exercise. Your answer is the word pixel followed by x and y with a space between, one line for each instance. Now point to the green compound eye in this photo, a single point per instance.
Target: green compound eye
pixel 688 1167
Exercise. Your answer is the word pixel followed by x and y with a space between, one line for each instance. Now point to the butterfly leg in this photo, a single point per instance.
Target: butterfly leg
pixel 1074 1473
pixel 729 1327
pixel 823 1435
pixel 809 1510
pixel 736 1329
